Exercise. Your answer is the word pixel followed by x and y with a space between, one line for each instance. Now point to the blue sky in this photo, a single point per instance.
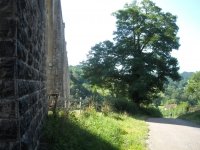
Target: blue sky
pixel 90 21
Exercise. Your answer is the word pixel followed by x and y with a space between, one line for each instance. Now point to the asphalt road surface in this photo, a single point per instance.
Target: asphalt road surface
pixel 173 134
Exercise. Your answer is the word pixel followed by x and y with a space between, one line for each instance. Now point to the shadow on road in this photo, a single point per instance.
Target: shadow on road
pixel 173 121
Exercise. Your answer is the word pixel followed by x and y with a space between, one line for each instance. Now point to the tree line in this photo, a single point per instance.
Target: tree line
pixel 137 63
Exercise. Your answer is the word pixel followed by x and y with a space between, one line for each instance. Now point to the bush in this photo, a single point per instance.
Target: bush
pixel 151 111
pixel 123 105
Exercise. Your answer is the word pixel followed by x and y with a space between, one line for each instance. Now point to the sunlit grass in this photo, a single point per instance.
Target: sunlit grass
pixel 122 131
pixel 92 130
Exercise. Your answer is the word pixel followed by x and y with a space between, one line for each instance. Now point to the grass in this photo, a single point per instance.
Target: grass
pixel 92 130
pixel 192 116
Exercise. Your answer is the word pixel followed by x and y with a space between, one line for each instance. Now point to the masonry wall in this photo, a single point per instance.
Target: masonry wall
pixel 23 100
pixel 57 70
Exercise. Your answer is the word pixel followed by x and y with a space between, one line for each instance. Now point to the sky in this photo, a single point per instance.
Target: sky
pixel 88 22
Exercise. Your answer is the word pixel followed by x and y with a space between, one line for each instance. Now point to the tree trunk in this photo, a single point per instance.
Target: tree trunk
pixel 136 98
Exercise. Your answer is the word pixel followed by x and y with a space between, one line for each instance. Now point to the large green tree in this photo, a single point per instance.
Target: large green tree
pixel 138 62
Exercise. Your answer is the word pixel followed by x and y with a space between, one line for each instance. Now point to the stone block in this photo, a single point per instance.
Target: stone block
pixel 26 104
pixel 7 90
pixel 7 68
pixel 7 49
pixel 27 72
pixel 25 122
pixel 7 29
pixel 7 109
pixel 22 53
pixel 27 87
pixel 36 65
pixel 6 7
pixel 8 129
pixel 30 59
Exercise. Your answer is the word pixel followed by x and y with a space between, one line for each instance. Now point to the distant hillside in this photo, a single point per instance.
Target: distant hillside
pixel 186 75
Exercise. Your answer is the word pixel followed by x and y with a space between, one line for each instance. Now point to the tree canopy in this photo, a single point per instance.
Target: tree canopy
pixel 138 61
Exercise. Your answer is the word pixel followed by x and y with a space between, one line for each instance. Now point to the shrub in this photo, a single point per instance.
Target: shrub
pixel 151 111
pixel 123 105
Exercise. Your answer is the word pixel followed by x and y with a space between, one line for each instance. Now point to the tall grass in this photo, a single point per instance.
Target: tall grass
pixel 92 130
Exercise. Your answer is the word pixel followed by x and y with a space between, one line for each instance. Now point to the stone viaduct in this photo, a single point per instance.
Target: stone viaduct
pixel 33 69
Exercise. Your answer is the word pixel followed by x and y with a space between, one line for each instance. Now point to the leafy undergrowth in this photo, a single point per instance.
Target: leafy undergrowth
pixel 92 130
pixel 175 111
pixel 121 105
pixel 193 116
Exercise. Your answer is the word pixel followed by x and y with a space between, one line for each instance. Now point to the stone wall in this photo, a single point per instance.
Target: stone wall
pixel 22 73
pixel 58 77
pixel 29 33
pixel 9 112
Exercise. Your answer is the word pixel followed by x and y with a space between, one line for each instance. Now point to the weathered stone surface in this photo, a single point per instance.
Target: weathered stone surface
pixel 10 146
pixel 22 53
pixel 27 87
pixel 6 7
pixel 7 89
pixel 8 129
pixel 26 102
pixel 22 77
pixel 7 49
pixel 57 73
pixel 30 32
pixel 7 68
pixel 7 28
pixel 7 109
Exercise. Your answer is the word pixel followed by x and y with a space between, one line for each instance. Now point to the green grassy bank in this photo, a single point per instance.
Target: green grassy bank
pixel 92 130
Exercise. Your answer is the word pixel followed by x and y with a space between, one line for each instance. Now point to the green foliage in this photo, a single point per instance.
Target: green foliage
pixel 121 105
pixel 95 131
pixel 106 108
pixel 139 61
pixel 175 93
pixel 175 111
pixel 78 85
pixel 80 88
pixel 192 116
pixel 151 111
pixel 193 87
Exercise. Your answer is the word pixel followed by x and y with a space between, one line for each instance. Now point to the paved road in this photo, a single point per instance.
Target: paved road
pixel 173 134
